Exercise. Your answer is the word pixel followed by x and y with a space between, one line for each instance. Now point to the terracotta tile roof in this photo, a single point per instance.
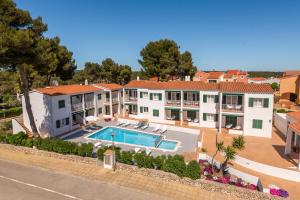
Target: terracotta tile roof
pixel 228 75
pixel 292 73
pixel 110 86
pixel 195 85
pixel 258 79
pixel 67 89
pixel 295 127
pixel 232 71
pixel 294 115
pixel 214 75
pixel 245 87
pixel 201 74
pixel 172 85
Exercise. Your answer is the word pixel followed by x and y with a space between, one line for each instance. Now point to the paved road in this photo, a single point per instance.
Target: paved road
pixel 20 182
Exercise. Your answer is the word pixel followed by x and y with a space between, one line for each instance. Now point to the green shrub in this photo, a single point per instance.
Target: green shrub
pixel 28 142
pixel 175 165
pixel 11 112
pixel 159 161
pixel 16 139
pixel 86 150
pixel 100 152
pixel 126 157
pixel 2 138
pixel 143 160
pixel 193 170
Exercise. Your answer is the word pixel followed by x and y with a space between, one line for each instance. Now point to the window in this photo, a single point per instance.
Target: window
pixel 99 111
pixel 57 123
pixel 107 110
pixel 62 122
pixel 143 109
pixel 259 102
pixel 210 117
pixel 210 98
pixel 257 123
pixel 212 81
pixel 155 96
pixel 99 96
pixel 155 113
pixel 144 95
pixel 61 104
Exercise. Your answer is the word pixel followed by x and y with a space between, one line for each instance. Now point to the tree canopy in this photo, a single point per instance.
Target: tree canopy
pixel 163 59
pixel 107 71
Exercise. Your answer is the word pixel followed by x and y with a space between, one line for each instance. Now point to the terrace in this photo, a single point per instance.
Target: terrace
pixel 76 103
pixel 191 99
pixel 232 103
pixel 173 98
pixel 130 95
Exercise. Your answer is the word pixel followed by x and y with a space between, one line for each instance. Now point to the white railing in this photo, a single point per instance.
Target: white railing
pixel 128 98
pixel 89 104
pixel 76 107
pixel 173 102
pixel 232 108
pixel 191 103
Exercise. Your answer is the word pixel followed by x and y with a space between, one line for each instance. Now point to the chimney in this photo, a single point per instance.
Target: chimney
pixel 138 78
pixel 86 82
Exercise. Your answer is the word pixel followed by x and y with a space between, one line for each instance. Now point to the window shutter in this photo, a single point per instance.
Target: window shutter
pixel 250 102
pixel 204 116
pixel 159 96
pixel 204 98
pixel 67 121
pixel 266 102
pixel 57 123
pixel 224 99
pixel 185 96
pixel 141 109
pixel 141 95
pixel 216 99
pixel 216 117
pixel 151 96
pixel 240 100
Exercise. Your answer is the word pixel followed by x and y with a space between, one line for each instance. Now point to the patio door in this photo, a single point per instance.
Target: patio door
pixel 231 120
pixel 175 114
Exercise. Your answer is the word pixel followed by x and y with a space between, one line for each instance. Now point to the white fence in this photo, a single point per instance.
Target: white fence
pixel 280 122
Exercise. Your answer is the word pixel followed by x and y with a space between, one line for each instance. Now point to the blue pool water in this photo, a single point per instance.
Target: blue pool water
pixel 132 137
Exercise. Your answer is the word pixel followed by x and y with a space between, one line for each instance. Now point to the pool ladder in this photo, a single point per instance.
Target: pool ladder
pixel 159 140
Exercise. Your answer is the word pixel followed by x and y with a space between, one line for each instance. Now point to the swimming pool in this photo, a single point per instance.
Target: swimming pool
pixel 132 137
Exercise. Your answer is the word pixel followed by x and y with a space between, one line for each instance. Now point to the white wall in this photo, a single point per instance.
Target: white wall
pixel 212 108
pixel 264 114
pixel 41 108
pixel 280 122
pixel 158 105
pixel 16 126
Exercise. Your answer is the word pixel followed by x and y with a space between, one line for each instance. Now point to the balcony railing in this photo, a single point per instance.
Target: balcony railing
pixel 76 107
pixel 130 98
pixel 89 104
pixel 232 108
pixel 191 103
pixel 173 102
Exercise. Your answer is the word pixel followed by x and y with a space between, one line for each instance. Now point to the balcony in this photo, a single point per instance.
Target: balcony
pixel 89 104
pixel 232 108
pixel 130 98
pixel 176 103
pixel 76 107
pixel 191 103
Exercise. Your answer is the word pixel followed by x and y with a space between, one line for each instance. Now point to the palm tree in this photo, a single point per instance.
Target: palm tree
pixel 230 153
pixel 219 148
pixel 238 143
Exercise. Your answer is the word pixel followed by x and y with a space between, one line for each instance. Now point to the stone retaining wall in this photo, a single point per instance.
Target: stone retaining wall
pixel 169 177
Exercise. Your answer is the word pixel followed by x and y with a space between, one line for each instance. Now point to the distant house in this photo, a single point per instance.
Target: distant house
pixel 215 77
pixel 236 76
pixel 262 80
pixel 290 86
pixel 219 76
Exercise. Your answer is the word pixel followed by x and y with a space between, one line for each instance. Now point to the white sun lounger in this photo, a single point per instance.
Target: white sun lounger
pixel 120 123
pixel 163 130
pixel 98 144
pixel 138 125
pixel 126 124
pixel 145 126
pixel 228 125
pixel 137 149
pixel 157 128
pixel 148 152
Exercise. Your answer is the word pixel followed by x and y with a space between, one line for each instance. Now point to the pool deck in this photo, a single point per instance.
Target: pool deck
pixel 188 141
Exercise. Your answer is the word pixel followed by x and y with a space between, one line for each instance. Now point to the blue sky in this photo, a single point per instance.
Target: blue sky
pixel 220 34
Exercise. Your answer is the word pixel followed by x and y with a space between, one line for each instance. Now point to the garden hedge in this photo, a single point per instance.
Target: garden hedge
pixel 11 112
pixel 174 164
pixel 49 144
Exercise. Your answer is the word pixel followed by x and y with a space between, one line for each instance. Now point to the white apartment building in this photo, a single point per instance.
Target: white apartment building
pixel 61 109
pixel 240 108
